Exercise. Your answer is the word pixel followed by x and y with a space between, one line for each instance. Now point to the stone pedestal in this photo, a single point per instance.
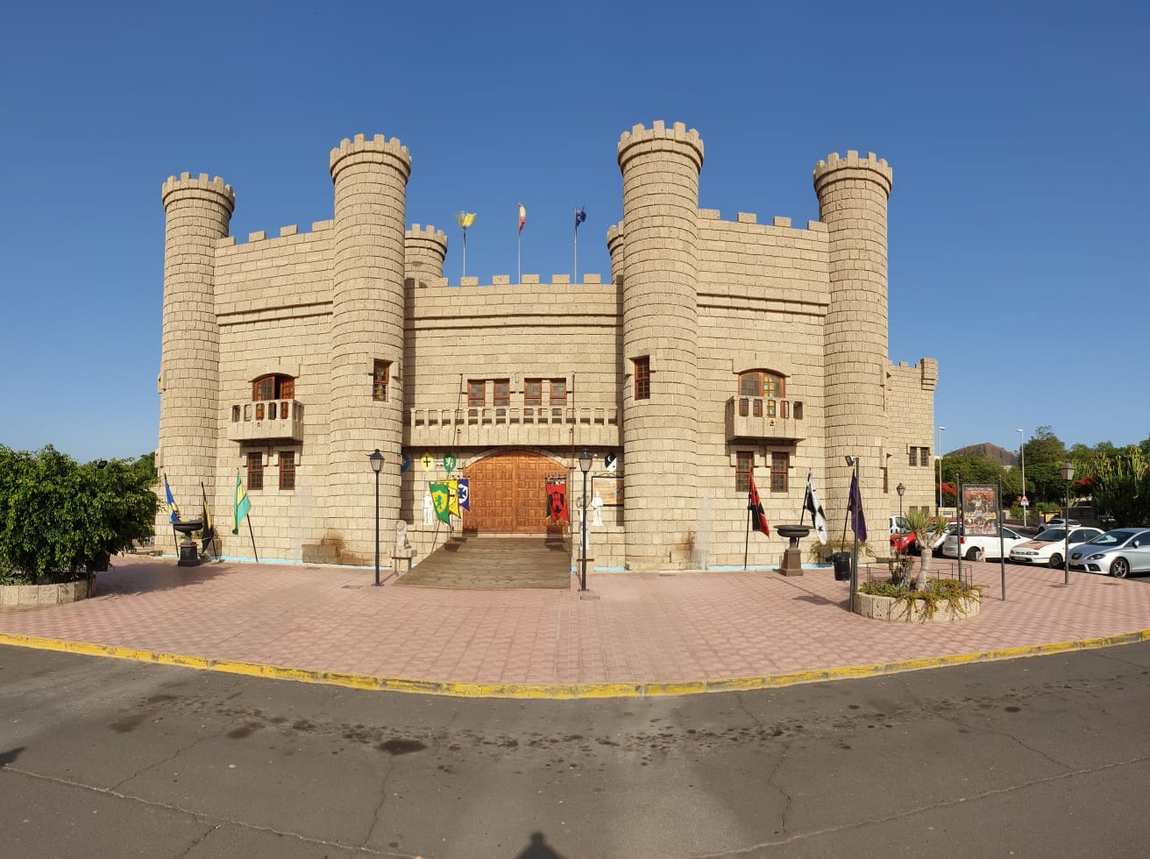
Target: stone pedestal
pixel 793 556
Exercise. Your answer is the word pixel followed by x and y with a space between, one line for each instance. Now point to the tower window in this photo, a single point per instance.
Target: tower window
pixel 780 463
pixel 476 393
pixel 380 376
pixel 744 464
pixel 643 378
pixel 287 469
pixel 502 392
pixel 761 383
pixel 274 386
pixel 913 456
pixel 255 470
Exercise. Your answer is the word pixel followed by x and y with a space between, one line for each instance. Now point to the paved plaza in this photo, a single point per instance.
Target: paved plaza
pixel 642 629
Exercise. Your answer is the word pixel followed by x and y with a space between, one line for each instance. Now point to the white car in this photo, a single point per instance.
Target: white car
pixel 979 547
pixel 1048 547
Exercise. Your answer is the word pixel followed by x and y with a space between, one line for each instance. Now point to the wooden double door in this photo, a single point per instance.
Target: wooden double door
pixel 509 493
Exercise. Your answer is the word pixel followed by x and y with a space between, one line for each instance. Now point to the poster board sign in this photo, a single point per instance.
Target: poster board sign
pixel 609 487
pixel 980 510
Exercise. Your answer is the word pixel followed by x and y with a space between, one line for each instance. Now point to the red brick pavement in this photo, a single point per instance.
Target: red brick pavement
pixel 642 628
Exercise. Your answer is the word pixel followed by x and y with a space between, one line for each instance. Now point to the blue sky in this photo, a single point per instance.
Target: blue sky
pixel 1019 254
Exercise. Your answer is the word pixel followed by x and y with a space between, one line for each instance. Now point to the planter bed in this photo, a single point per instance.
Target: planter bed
pixel 29 596
pixel 893 609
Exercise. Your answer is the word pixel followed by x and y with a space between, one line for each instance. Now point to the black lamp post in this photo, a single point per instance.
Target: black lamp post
pixel 584 466
pixel 1068 476
pixel 900 489
pixel 376 460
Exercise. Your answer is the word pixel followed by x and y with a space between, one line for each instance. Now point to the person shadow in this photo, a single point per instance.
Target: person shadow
pixel 538 849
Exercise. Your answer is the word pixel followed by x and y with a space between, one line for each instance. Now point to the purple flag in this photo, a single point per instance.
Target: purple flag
pixel 858 520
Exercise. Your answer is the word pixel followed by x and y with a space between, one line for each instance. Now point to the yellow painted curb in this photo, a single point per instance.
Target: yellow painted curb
pixel 562 691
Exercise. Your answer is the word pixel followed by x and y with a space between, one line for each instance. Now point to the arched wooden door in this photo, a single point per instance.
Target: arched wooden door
pixel 509 493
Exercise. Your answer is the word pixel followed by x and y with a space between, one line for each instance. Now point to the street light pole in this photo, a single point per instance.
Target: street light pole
pixel 1022 457
pixel 900 489
pixel 584 466
pixel 376 460
pixel 1068 476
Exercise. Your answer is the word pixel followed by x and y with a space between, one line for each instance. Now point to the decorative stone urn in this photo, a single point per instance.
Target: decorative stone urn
pixel 189 551
pixel 792 557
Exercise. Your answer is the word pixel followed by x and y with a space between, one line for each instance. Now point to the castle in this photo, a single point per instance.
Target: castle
pixel 717 349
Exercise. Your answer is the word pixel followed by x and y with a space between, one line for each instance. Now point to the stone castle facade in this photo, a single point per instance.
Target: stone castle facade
pixel 716 348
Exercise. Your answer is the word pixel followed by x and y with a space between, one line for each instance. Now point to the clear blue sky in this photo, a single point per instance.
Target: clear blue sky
pixel 1019 224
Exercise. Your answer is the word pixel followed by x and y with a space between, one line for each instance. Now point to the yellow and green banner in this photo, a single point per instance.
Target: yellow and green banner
pixel 441 498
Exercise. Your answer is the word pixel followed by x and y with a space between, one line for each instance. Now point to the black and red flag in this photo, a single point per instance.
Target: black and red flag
pixel 755 505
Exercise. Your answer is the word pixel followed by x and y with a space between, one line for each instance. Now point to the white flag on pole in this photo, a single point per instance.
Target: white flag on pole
pixel 811 503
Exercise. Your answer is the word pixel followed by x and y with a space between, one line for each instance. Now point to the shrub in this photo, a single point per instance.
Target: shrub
pixel 60 520
pixel 931 596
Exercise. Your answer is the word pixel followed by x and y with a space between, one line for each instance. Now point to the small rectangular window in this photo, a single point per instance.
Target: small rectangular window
pixel 798 411
pixel 259 411
pixel 264 388
pixel 750 385
pixel 757 407
pixel 532 392
pixel 885 481
pixel 744 463
pixel 914 456
pixel 558 392
pixel 924 456
pixel 502 392
pixel 744 407
pixel 643 378
pixel 380 376
pixel 235 414
pixel 770 408
pixel 255 471
pixel 780 463
pixel 287 469
pixel 784 408
pixel 287 388
pixel 476 393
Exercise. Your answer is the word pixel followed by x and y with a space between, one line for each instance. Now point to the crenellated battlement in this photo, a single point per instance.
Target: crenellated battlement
pixel 614 236
pixel 198 185
pixel 834 167
pixel 426 234
pixel 376 149
pixel 678 138
pixel 752 219
pixel 527 281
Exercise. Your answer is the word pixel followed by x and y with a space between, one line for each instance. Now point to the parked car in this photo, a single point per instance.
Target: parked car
pixel 936 546
pixel 1118 552
pixel 903 541
pixel 1059 522
pixel 1047 547
pixel 977 547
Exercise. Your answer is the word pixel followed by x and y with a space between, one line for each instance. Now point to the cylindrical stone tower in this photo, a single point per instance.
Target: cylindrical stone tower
pixel 424 250
pixel 615 249
pixel 853 196
pixel 370 177
pixel 660 169
pixel 197 213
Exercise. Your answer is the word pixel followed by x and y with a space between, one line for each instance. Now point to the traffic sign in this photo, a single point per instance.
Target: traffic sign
pixel 1024 501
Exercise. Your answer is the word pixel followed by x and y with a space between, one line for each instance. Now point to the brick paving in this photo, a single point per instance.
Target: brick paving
pixel 642 628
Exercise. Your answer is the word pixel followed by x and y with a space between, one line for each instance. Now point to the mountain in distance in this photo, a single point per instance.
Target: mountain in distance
pixel 986 450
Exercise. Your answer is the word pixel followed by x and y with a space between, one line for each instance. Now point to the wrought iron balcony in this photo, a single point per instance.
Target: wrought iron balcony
pixel 266 420
pixel 507 425
pixel 764 418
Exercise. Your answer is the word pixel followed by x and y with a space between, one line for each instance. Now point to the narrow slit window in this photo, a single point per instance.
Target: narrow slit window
pixel 780 465
pixel 287 469
pixel 643 378
pixel 380 377
pixel 255 471
pixel 744 463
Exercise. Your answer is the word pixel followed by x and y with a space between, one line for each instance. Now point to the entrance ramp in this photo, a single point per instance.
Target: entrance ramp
pixel 490 562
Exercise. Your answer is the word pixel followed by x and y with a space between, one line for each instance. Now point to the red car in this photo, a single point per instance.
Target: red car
pixel 904 543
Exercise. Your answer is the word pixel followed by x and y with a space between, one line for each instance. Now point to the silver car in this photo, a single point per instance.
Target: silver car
pixel 1118 552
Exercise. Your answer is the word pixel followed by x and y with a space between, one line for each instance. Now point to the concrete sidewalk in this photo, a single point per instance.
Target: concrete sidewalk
pixel 644 629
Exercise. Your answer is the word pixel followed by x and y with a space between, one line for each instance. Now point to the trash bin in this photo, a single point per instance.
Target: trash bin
pixel 842 562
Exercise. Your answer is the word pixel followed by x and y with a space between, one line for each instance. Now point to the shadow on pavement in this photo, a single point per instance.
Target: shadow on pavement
pixel 538 849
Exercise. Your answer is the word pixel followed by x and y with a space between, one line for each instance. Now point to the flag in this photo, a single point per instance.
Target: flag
pixel 207 532
pixel 175 511
pixel 557 500
pixel 240 505
pixel 405 463
pixel 439 497
pixel 811 503
pixel 758 516
pixel 858 520
pixel 465 219
pixel 522 217
pixel 464 493
pixel 453 498
pixel 580 216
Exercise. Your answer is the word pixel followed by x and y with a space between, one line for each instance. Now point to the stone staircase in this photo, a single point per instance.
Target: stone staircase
pixel 474 561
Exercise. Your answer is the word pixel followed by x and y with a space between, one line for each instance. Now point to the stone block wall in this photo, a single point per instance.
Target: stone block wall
pixel 910 423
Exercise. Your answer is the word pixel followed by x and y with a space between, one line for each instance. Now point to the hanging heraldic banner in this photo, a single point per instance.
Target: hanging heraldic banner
pixel 980 510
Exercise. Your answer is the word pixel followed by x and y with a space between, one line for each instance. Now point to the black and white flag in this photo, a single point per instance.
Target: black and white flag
pixel 811 503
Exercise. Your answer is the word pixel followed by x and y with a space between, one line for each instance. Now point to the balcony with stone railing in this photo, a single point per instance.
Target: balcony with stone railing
pixel 266 420
pixel 520 425
pixel 764 418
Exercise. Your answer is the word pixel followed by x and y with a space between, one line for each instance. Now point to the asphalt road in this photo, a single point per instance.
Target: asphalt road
pixel 1047 756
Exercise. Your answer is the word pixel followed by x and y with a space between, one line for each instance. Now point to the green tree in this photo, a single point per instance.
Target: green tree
pixel 1045 454
pixel 59 519
pixel 1120 482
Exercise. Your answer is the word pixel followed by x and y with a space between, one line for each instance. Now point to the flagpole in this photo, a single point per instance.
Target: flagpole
pixel 747 536
pixel 464 254
pixel 519 256
pixel 575 267
pixel 253 536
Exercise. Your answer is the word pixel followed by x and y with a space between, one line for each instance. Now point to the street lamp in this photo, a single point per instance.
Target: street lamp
pixel 1024 502
pixel 584 466
pixel 376 460
pixel 938 456
pixel 1068 476
pixel 900 489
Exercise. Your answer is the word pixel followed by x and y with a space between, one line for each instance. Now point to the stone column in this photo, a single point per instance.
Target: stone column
pixel 370 178
pixel 853 194
pixel 660 169
pixel 198 212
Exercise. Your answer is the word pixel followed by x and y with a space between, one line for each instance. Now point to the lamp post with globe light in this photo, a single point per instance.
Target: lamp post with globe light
pixel 376 460
pixel 584 466
pixel 1068 476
